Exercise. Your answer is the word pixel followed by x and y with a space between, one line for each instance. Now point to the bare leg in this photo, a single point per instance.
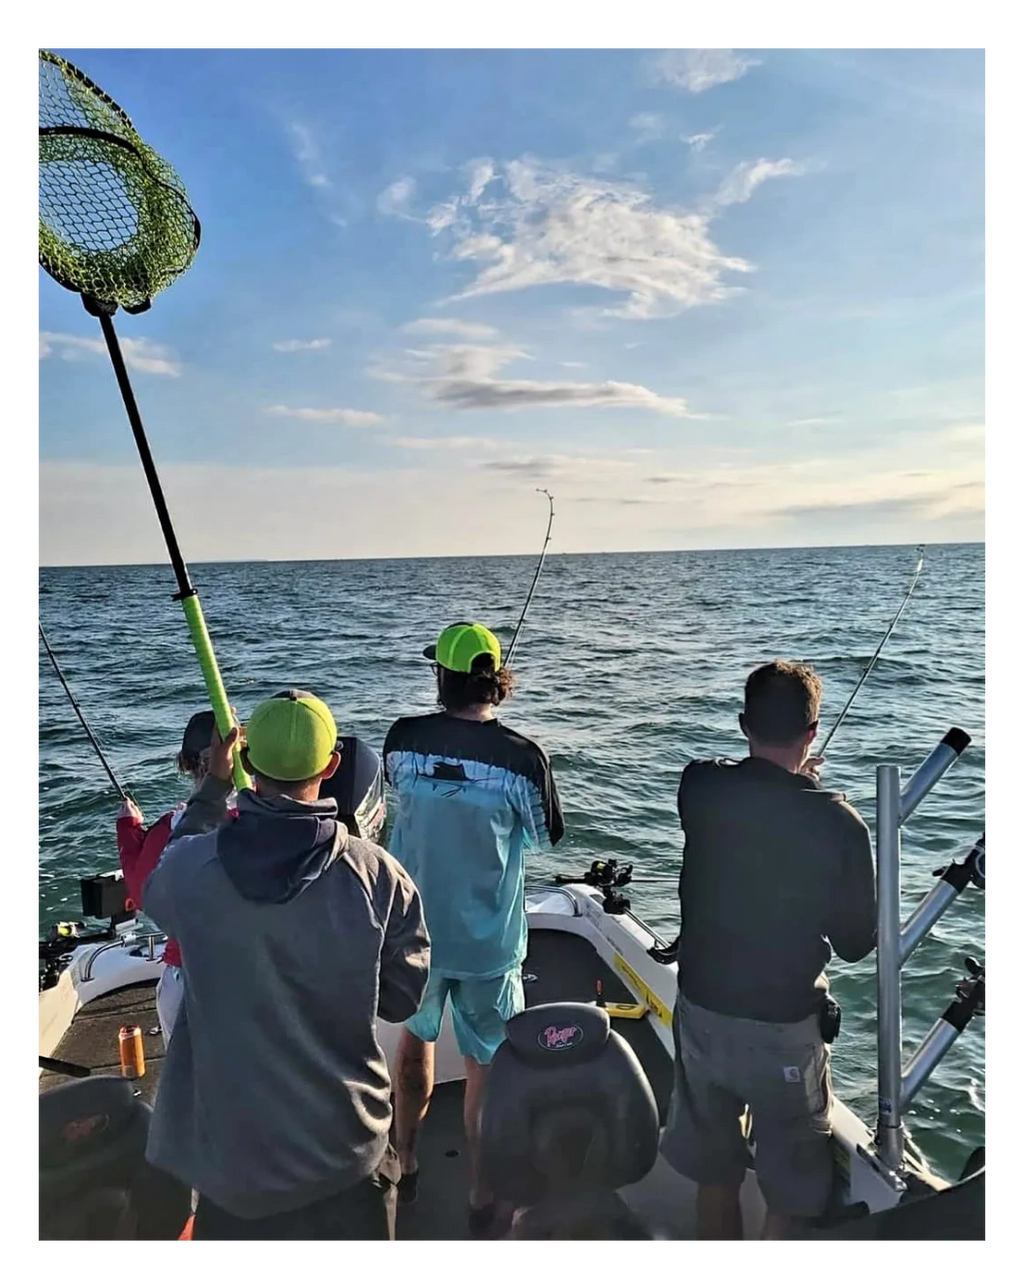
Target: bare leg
pixel 718 1214
pixel 475 1084
pixel 776 1226
pixel 413 1087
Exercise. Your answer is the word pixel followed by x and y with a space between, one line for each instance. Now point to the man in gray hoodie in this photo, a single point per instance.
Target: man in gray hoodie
pixel 275 1099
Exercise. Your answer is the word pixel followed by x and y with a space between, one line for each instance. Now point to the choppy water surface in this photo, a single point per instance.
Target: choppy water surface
pixel 629 665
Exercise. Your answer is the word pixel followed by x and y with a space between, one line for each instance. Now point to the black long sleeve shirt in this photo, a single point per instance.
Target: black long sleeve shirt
pixel 776 872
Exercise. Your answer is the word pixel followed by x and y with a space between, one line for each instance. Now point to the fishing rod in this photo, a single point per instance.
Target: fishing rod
pixel 116 228
pixel 536 576
pixel 877 651
pixel 668 953
pixel 78 712
pixel 187 595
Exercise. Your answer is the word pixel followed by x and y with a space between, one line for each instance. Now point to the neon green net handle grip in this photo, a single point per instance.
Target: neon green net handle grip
pixel 211 674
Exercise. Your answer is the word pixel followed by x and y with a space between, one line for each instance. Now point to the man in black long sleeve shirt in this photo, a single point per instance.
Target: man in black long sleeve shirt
pixel 776 873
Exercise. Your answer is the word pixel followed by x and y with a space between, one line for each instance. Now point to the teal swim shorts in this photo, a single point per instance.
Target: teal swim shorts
pixel 480 1009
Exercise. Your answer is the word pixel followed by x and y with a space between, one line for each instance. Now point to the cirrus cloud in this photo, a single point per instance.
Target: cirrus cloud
pixel 697 70
pixel 464 377
pixel 554 466
pixel 395 198
pixel 306 152
pixel 450 326
pixel 139 354
pixel 744 180
pixel 649 126
pixel 536 225
pixel 446 443
pixel 300 346
pixel 329 415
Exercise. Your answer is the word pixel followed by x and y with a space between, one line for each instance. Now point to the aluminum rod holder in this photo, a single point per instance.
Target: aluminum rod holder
pixel 944 755
pixel 890 1142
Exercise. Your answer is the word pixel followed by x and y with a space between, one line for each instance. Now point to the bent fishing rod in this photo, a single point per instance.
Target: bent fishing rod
pixel 125 796
pixel 669 953
pixel 877 652
pixel 536 576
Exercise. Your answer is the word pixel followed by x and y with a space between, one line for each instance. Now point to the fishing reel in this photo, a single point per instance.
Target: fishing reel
pixel 970 871
pixel 970 991
pixel 977 859
pixel 54 951
pixel 605 876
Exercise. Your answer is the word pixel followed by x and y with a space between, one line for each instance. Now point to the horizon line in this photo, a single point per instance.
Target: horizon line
pixel 567 554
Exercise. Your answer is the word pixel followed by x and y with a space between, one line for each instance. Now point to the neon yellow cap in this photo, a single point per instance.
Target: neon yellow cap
pixel 458 646
pixel 291 736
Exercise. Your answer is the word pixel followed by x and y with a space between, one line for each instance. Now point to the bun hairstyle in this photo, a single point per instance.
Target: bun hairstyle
pixel 481 686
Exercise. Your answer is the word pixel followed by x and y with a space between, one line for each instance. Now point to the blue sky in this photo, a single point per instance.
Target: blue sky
pixel 708 298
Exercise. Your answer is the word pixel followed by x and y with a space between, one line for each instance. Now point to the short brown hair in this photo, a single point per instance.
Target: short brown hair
pixel 457 690
pixel 783 699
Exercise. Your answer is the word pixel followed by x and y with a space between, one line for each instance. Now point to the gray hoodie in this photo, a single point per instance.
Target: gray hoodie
pixel 295 936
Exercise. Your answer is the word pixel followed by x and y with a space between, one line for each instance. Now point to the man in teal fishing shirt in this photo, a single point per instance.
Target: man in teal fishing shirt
pixel 472 796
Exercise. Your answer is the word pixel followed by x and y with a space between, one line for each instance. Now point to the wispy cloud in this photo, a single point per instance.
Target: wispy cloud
pixel 307 153
pixel 300 346
pixel 744 180
pixel 395 198
pixel 649 126
pixel 553 466
pixel 464 377
pixel 810 422
pixel 614 500
pixel 971 434
pixel 698 141
pixel 922 505
pixel 538 226
pixel 697 70
pixel 450 326
pixel 139 354
pixel 447 443
pixel 95 513
pixel 329 415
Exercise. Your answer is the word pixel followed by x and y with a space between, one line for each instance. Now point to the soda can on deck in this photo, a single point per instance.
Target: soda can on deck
pixel 133 1056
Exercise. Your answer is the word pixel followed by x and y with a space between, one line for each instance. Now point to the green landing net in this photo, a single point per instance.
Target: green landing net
pixel 115 225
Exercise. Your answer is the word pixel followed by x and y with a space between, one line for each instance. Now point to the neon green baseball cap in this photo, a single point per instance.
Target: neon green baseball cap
pixel 291 736
pixel 458 646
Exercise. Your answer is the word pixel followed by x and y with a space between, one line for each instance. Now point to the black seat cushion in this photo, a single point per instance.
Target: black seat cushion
pixel 568 1108
pixel 91 1128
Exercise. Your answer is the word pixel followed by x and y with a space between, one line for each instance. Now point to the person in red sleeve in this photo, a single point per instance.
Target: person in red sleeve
pixel 140 849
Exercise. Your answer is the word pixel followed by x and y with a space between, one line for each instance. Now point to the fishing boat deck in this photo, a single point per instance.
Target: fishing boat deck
pixel 559 967
pixel 92 1038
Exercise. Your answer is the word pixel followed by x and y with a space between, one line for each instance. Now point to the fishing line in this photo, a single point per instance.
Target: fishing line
pixel 877 652
pixel 536 576
pixel 668 953
pixel 78 712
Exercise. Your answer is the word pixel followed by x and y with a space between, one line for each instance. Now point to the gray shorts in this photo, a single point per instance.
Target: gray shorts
pixel 749 1094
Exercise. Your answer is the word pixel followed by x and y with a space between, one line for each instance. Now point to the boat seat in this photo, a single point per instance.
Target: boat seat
pixel 568 1111
pixel 91 1128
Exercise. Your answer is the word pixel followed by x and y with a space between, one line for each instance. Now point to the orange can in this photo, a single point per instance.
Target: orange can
pixel 133 1056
